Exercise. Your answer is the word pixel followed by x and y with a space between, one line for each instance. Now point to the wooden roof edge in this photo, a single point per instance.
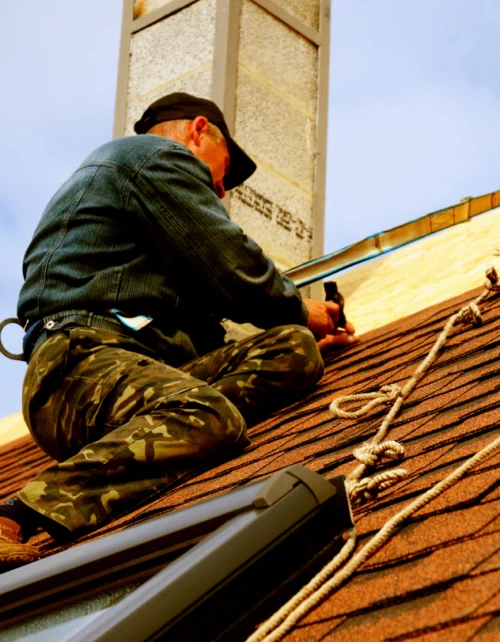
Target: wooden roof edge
pixel 12 428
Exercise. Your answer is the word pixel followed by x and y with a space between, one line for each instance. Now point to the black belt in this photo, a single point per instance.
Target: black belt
pixel 36 332
pixel 33 331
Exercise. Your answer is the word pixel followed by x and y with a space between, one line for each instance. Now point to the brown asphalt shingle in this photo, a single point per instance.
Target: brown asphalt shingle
pixel 438 579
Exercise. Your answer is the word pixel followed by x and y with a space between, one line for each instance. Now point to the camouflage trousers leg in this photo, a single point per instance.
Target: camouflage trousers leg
pixel 262 373
pixel 124 426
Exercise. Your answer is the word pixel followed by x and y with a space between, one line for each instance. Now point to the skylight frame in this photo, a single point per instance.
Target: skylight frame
pixel 43 584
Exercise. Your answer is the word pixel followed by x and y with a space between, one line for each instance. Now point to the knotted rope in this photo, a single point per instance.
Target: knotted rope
pixel 370 455
pixel 393 393
pixel 368 488
pixel 319 587
pixel 360 490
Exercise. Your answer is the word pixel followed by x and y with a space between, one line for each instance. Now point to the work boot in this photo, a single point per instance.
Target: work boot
pixel 13 552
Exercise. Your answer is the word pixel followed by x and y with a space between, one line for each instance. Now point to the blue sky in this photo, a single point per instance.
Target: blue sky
pixel 414 110
pixel 414 117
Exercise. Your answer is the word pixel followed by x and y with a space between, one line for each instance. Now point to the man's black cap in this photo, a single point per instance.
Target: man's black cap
pixel 180 106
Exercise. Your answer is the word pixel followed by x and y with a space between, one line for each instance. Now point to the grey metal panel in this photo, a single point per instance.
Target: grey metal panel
pixel 123 69
pixel 132 547
pixel 164 597
pixel 318 239
pixel 97 558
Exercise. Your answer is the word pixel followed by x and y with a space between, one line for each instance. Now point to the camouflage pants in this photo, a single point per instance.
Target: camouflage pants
pixel 124 425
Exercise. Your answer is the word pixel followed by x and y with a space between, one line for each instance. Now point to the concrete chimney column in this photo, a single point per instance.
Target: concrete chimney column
pixel 265 63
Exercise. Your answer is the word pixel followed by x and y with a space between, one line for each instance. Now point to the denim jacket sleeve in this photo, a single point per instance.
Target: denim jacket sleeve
pixel 187 222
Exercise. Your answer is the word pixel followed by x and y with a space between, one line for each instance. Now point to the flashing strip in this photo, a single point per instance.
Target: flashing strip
pixel 390 240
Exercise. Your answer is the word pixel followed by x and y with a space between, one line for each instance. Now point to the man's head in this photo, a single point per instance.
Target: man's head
pixel 199 124
pixel 205 140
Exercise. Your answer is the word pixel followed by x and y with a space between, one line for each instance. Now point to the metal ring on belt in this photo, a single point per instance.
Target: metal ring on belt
pixel 3 350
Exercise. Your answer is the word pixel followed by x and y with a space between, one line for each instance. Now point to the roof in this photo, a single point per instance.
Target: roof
pixel 438 578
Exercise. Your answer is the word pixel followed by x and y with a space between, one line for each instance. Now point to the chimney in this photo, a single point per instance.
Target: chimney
pixel 265 63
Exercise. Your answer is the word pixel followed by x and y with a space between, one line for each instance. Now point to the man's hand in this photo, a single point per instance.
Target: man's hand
pixel 323 319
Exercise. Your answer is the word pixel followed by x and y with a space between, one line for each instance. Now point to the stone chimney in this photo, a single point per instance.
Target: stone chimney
pixel 265 63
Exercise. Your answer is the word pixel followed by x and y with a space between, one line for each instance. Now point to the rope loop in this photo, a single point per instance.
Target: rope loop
pixel 470 314
pixel 368 488
pixel 387 394
pixel 372 454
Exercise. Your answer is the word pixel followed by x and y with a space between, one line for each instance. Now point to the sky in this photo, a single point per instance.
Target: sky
pixel 413 118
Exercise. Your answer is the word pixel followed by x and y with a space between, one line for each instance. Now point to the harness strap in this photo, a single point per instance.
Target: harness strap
pixel 3 349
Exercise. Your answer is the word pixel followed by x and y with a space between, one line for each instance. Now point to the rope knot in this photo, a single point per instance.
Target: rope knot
pixel 391 390
pixel 368 488
pixel 387 394
pixel 470 314
pixel 491 281
pixel 372 454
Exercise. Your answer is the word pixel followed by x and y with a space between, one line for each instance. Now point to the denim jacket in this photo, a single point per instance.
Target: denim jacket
pixel 139 228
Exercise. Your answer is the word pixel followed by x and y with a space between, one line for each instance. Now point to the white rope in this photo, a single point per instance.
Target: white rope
pixel 385 395
pixel 470 313
pixel 304 601
pixel 360 490
pixel 372 454
pixel 297 602
pixel 368 488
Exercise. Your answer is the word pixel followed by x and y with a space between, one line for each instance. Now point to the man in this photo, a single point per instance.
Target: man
pixel 129 385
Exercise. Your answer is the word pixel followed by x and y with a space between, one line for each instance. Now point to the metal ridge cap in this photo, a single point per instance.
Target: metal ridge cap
pixel 392 239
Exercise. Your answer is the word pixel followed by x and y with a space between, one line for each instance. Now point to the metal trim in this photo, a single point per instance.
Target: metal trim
pixel 146 549
pixel 123 70
pixel 225 62
pixel 389 240
pixel 130 27
pixel 225 57
pixel 294 23
pixel 159 14
pixel 131 548
pixel 128 550
pixel 142 614
pixel 318 220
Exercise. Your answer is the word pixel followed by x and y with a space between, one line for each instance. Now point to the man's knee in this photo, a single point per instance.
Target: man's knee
pixel 306 362
pixel 294 351
pixel 207 419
